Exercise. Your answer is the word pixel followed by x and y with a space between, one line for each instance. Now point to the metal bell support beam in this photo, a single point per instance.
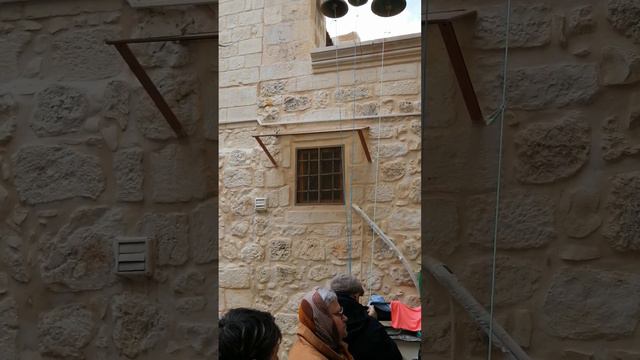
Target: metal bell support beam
pixel 388 8
pixel 334 8
pixel 358 2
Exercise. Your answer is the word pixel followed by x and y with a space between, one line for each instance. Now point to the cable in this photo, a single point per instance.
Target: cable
pixel 499 181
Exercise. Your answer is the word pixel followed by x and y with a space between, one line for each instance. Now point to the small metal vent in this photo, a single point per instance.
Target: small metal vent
pixel 132 256
pixel 261 204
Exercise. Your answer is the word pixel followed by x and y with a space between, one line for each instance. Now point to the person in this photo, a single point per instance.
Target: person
pixel 366 337
pixel 248 334
pixel 321 329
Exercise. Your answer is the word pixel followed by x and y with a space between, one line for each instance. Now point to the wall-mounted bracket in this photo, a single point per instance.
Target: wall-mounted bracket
pixel 444 20
pixel 360 131
pixel 123 48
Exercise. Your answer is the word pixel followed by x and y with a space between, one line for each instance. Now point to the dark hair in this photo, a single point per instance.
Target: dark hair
pixel 248 334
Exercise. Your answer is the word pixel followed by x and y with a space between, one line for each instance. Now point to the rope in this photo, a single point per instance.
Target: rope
pixel 375 188
pixel 348 210
pixel 499 181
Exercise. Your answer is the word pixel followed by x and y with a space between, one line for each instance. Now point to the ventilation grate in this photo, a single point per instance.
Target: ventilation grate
pixel 132 256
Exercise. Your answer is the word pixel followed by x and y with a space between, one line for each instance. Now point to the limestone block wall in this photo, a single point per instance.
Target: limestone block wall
pixel 568 280
pixel 268 83
pixel 86 158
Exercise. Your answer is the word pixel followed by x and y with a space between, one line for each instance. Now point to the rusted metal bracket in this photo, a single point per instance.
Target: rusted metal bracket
pixel 360 131
pixel 122 46
pixel 444 20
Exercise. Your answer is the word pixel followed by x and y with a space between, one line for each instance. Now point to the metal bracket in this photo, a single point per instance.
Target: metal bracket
pixel 360 131
pixel 444 20
pixel 123 48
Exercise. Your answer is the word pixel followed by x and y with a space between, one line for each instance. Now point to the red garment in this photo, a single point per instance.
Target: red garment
pixel 404 317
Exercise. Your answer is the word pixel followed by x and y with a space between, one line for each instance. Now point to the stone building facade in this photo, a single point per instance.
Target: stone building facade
pixel 277 75
pixel 87 159
pixel 568 274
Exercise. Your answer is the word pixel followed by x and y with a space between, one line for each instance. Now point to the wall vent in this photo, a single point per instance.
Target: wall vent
pixel 261 204
pixel 133 256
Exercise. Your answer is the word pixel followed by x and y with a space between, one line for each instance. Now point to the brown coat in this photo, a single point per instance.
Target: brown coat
pixel 310 347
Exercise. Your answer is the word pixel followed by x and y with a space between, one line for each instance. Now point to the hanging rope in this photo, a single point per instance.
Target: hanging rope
pixel 348 210
pixel 501 110
pixel 375 188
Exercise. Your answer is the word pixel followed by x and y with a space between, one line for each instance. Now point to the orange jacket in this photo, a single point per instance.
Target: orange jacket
pixel 310 347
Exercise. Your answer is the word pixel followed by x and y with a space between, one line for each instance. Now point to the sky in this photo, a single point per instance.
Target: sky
pixel 370 26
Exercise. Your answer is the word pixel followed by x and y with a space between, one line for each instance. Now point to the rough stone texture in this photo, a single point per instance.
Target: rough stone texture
pixel 619 66
pixel 441 226
pixel 393 171
pixel 203 233
pixel 11 45
pixel 8 329
pixel 279 249
pixel 580 20
pixel 178 174
pixel 622 222
pixel 296 103
pixel 170 232
pixel 129 173
pixel 82 55
pixel 8 115
pixel 551 151
pixel 50 173
pixel 623 16
pixel 516 282
pixel 200 337
pixel 233 178
pixel 615 142
pixel 526 220
pixel 64 331
pixel 189 283
pixel 234 277
pixel 623 355
pixel 59 110
pixel 189 305
pixel 80 256
pixel 138 324
pixel 612 309
pixel 116 102
pixel 311 249
pixel 405 219
pixel 530 27
pixel 12 254
pixel 352 93
pixel 162 54
pixel 560 85
pixel 578 212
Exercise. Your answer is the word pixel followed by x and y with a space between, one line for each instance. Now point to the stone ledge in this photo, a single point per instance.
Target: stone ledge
pixel 397 50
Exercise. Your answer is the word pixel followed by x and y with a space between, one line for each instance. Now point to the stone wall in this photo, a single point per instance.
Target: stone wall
pixel 86 158
pixel 269 83
pixel 568 280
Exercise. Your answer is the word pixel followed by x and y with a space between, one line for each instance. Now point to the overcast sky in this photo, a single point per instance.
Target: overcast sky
pixel 370 26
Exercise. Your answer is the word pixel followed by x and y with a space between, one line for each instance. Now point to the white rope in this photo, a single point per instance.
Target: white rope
pixel 499 181
pixel 348 211
pixel 375 188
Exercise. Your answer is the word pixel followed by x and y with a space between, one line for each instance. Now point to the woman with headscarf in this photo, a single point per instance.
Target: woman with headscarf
pixel 322 328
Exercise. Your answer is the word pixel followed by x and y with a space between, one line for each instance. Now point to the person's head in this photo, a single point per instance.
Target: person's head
pixel 320 312
pixel 248 334
pixel 348 285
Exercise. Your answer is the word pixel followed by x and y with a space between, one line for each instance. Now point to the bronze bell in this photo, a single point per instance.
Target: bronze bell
pixel 388 8
pixel 334 8
pixel 357 2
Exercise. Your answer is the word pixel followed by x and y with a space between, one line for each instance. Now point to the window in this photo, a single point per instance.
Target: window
pixel 319 176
